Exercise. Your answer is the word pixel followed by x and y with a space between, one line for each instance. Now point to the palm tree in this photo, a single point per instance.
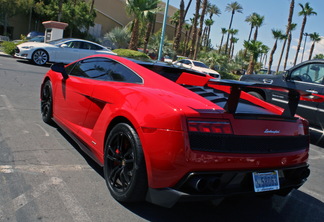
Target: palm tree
pixel 277 34
pixel 233 41
pixel 150 18
pixel 232 7
pixel 208 24
pixel 292 28
pixel 291 12
pixel 194 29
pixel 258 22
pixel 250 20
pixel 212 10
pixel 187 27
pixel 255 48
pixel 224 31
pixel 202 17
pixel 315 37
pixel 264 53
pixel 306 11
pixel 138 9
pixel 232 32
pixel 176 42
pixel 174 20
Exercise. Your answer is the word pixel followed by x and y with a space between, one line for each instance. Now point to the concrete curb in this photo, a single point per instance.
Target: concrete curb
pixel 5 55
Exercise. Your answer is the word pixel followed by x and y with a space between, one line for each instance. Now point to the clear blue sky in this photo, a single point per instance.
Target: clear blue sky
pixel 276 16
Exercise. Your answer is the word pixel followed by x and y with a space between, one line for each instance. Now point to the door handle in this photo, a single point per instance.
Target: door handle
pixel 268 81
pixel 312 91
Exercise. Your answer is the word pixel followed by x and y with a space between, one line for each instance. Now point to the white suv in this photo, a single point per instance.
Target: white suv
pixel 198 66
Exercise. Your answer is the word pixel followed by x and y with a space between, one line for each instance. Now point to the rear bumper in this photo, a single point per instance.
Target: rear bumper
pixel 204 186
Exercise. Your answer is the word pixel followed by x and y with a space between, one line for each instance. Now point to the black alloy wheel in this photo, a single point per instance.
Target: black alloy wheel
pixel 124 166
pixel 47 102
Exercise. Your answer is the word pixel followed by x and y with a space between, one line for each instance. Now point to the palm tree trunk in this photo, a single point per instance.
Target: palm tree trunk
pixel 221 43
pixel 291 12
pixel 287 52
pixel 251 65
pixel 194 32
pixel 271 56
pixel 228 34
pixel 176 42
pixel 147 35
pixel 202 17
pixel 256 33
pixel 281 54
pixel 134 37
pixel 300 38
pixel 251 29
pixel 311 51
pixel 186 11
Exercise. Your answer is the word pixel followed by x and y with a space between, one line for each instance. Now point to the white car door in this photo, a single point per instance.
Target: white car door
pixel 69 52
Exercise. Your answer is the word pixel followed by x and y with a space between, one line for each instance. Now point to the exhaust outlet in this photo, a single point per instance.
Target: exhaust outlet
pixel 199 184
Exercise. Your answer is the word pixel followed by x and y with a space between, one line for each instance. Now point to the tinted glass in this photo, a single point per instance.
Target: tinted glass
pixel 200 64
pixel 309 73
pixel 104 69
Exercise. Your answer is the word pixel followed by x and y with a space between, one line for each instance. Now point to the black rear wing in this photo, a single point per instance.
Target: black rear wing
pixel 236 87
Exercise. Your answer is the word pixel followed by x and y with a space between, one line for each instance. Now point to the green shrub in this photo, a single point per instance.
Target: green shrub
pixel 131 53
pixel 8 47
pixel 226 75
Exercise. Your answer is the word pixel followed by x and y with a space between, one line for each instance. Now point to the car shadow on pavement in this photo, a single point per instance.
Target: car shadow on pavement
pixel 297 207
pixel 30 63
pixel 88 159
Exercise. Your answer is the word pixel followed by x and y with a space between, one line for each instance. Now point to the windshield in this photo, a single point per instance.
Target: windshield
pixel 57 42
pixel 200 64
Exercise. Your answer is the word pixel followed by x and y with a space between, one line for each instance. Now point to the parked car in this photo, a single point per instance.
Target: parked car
pixel 307 76
pixel 39 38
pixel 167 134
pixel 62 50
pixel 198 66
pixel 33 34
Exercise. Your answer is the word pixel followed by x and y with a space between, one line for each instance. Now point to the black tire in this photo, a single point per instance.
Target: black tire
pixel 124 165
pixel 47 103
pixel 40 57
pixel 255 94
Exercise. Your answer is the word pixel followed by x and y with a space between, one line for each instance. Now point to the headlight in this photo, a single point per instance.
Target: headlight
pixel 27 47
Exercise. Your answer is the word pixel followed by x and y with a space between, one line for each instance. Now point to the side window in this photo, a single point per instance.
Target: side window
pixel 313 73
pixel 121 73
pixel 95 68
pixel 104 69
pixel 74 44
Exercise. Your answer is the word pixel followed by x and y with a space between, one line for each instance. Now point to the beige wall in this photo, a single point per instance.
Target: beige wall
pixel 110 13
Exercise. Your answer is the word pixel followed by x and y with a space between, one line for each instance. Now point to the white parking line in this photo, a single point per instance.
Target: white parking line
pixel 28 196
pixel 42 168
pixel 46 133
pixel 70 202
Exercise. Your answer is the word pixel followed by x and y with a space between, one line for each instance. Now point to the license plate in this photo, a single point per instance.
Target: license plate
pixel 266 181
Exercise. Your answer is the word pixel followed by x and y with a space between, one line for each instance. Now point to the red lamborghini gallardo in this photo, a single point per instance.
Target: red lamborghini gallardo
pixel 167 134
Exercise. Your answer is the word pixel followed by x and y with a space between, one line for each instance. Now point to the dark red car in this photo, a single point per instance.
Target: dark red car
pixel 167 134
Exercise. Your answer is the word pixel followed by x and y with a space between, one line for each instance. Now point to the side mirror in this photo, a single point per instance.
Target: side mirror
pixel 59 67
pixel 64 46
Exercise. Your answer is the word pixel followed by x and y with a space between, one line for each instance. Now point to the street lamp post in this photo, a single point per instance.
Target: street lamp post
pixel 163 30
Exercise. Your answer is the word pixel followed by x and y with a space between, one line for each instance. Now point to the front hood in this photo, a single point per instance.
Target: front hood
pixel 36 45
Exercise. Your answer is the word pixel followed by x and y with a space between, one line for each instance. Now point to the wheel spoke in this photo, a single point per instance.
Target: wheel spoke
pixel 114 175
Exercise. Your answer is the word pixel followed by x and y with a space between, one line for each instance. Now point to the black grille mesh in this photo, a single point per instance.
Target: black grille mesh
pixel 246 144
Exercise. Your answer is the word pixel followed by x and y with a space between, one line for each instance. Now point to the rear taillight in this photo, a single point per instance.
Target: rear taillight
pixel 215 126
